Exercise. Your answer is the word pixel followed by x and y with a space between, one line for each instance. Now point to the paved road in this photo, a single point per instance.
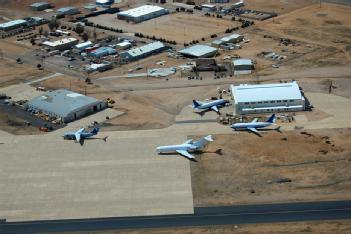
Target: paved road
pixel 244 214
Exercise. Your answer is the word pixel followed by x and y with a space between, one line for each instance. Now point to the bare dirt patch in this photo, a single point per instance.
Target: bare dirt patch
pixel 181 27
pixel 12 73
pixel 342 226
pixel 291 166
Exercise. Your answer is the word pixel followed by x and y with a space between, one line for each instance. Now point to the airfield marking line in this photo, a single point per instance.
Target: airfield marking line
pixel 44 78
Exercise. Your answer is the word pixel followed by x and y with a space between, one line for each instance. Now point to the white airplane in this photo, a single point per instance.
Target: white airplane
pixel 186 147
pixel 80 135
pixel 212 105
pixel 254 125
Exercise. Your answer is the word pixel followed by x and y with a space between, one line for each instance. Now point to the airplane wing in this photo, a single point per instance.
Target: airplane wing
pixel 185 154
pixel 77 134
pixel 188 141
pixel 254 120
pixel 254 130
pixel 214 108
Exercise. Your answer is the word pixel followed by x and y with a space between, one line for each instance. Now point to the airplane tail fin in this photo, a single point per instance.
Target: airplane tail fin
pixel 95 130
pixel 278 129
pixel 196 104
pixel 203 141
pixel 105 138
pixel 271 119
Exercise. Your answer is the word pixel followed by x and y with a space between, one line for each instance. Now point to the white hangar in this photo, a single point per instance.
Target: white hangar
pixel 266 98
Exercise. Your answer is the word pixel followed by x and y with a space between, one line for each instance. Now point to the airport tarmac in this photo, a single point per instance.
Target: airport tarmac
pixel 122 177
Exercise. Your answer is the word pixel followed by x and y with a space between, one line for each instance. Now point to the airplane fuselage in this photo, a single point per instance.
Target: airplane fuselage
pixel 218 103
pixel 256 125
pixel 71 135
pixel 174 148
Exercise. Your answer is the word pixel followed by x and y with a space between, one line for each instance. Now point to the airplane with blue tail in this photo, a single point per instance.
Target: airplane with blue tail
pixel 210 106
pixel 254 125
pixel 80 135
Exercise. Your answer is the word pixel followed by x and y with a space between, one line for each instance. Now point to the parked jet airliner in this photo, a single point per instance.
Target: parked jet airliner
pixel 80 135
pixel 212 105
pixel 254 125
pixel 186 147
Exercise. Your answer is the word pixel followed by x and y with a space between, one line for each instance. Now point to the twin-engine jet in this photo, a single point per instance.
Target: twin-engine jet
pixel 185 148
pixel 254 125
pixel 80 135
pixel 210 106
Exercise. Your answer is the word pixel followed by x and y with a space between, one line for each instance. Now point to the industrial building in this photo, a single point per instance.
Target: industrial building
pixel 219 1
pixel 68 11
pixel 63 44
pixel 103 66
pixel 238 5
pixel 234 38
pixel 40 6
pixel 208 8
pixel 14 24
pixel 199 51
pixel 143 51
pixel 142 13
pixel 65 104
pixel 266 98
pixel 101 52
pixel 82 46
pixel 243 66
pixel 104 3
pixel 35 21
pixel 123 45
pixel 90 7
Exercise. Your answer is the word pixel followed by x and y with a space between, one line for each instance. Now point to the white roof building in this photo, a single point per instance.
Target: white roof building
pixel 12 24
pixel 199 51
pixel 83 45
pixel 265 98
pixel 142 13
pixel 65 43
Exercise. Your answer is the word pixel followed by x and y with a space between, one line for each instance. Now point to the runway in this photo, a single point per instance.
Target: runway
pixel 243 214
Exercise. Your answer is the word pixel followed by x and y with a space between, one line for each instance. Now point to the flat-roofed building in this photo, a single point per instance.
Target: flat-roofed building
pixel 104 3
pixel 143 51
pixel 267 98
pixel 123 45
pixel 65 104
pixel 243 66
pixel 40 6
pixel 233 38
pixel 82 46
pixel 102 51
pixel 14 24
pixel 142 13
pixel 199 51
pixel 63 44
pixel 68 10
pixel 208 7
pixel 219 1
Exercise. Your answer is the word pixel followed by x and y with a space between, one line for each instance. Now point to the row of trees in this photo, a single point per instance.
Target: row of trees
pixel 155 38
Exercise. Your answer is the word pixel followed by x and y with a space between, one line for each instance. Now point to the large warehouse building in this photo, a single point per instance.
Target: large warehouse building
pixel 63 44
pixel 199 51
pixel 265 98
pixel 143 51
pixel 65 104
pixel 40 6
pixel 142 13
pixel 14 24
